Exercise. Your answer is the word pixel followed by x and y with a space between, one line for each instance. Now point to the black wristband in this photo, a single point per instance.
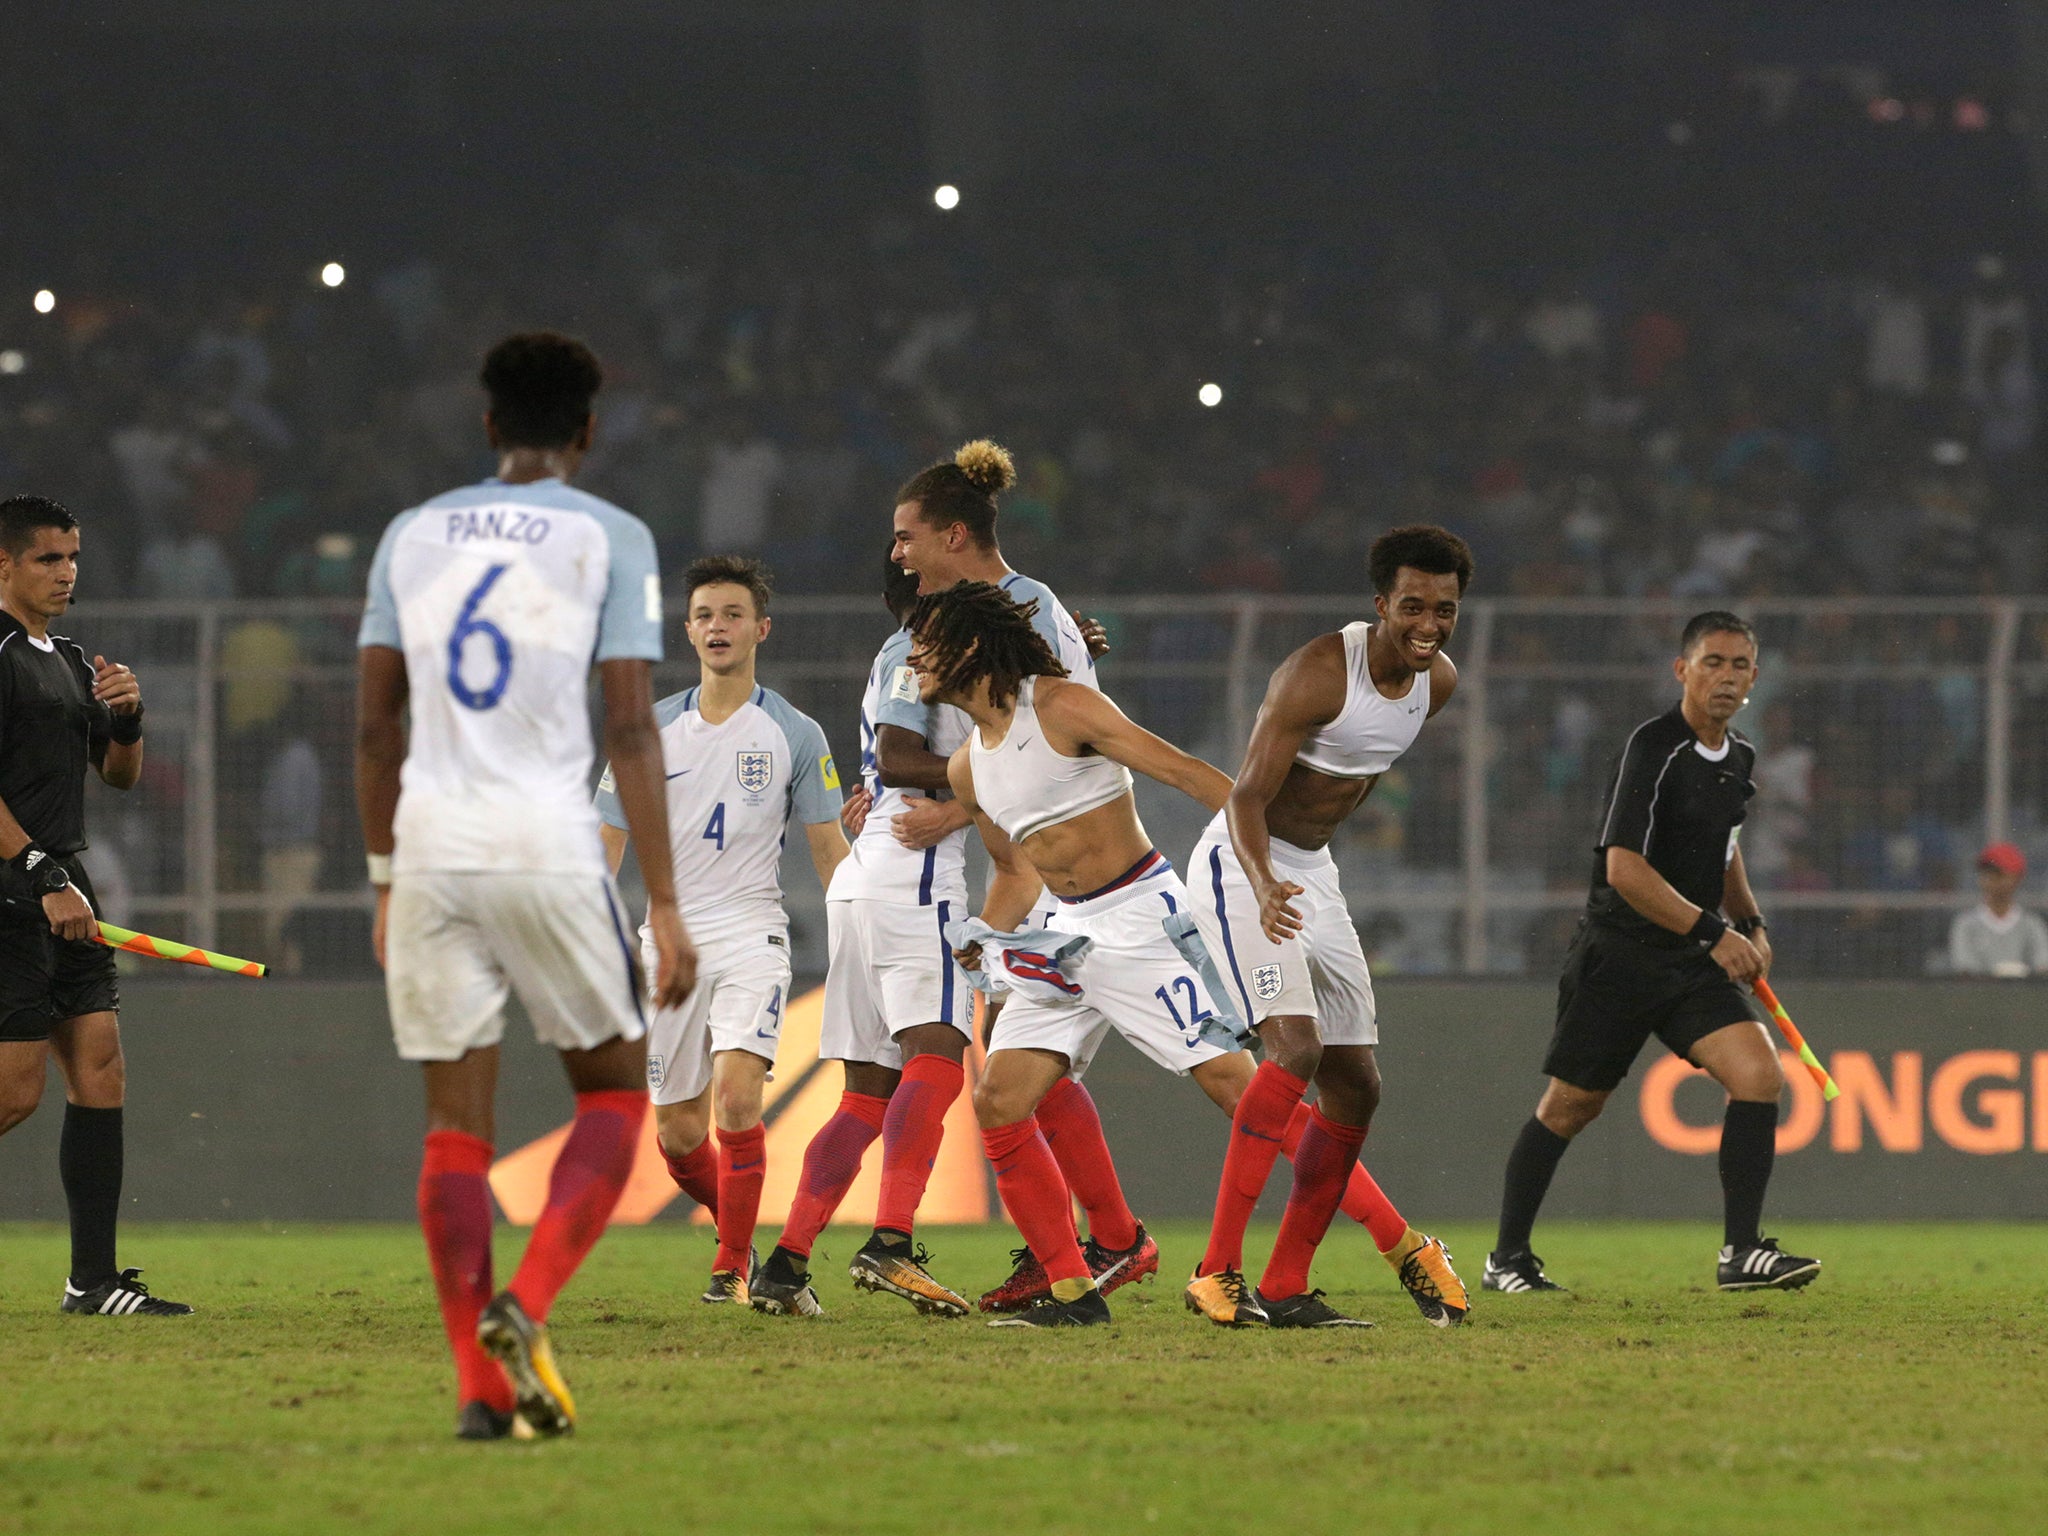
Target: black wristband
pixel 1750 927
pixel 126 730
pixel 38 873
pixel 1708 929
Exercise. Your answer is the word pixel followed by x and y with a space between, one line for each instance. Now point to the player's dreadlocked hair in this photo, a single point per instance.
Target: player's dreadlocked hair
pixel 963 490
pixel 899 587
pixel 541 384
pixel 1421 547
pixel 730 570
pixel 975 630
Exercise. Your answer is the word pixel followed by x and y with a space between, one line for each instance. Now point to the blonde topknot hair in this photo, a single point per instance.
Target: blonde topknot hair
pixel 987 465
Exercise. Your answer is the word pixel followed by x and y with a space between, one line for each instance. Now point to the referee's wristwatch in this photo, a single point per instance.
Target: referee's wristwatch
pixel 40 875
pixel 1750 927
pixel 126 727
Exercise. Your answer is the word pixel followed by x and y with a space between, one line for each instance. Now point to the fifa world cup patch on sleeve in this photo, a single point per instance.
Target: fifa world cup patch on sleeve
pixel 609 784
pixel 828 771
pixel 903 687
pixel 1266 982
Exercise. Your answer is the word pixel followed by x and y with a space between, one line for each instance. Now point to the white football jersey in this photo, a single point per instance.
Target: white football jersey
pixel 880 868
pixel 501 598
pixel 1055 624
pixel 734 791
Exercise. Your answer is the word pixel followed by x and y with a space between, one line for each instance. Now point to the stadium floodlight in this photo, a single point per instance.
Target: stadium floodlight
pixel 1210 395
pixel 13 361
pixel 334 274
pixel 947 197
pixel 45 301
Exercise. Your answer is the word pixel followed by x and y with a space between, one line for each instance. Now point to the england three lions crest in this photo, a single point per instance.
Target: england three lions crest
pixel 1266 982
pixel 756 769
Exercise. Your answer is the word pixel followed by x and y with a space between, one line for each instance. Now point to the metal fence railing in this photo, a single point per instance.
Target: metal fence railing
pixel 1895 737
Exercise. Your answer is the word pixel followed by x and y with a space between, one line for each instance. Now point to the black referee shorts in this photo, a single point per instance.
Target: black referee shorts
pixel 1617 991
pixel 45 979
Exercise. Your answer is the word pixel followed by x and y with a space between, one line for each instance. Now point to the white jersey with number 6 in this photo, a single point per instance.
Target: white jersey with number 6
pixel 502 597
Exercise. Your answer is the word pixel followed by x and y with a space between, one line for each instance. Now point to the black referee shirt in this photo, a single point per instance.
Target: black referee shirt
pixel 51 730
pixel 1678 807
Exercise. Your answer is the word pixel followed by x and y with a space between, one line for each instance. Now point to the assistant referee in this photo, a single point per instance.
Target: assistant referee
pixel 58 713
pixel 1671 936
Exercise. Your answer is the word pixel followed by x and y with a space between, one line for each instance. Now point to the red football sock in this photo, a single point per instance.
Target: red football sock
pixel 911 1134
pixel 455 1214
pixel 1257 1131
pixel 1364 1201
pixel 1322 1163
pixel 831 1164
pixel 742 1168
pixel 1073 1130
pixel 590 1174
pixel 696 1173
pixel 1029 1181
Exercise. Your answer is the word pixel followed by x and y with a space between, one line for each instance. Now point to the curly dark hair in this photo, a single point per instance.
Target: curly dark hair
pixel 1419 547
pixel 541 384
pixel 735 570
pixel 976 630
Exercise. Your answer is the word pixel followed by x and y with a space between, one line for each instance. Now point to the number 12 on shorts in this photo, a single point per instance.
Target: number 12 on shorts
pixel 1196 1012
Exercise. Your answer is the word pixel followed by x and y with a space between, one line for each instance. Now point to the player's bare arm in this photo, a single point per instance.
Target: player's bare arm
pixel 1077 718
pixel 828 846
pixel 906 762
pixel 381 692
pixel 1305 693
pixel 1014 886
pixel 1740 903
pixel 632 745
pixel 1443 682
pixel 116 687
pixel 1652 895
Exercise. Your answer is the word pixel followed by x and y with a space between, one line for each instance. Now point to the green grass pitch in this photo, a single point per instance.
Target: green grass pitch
pixel 1907 1390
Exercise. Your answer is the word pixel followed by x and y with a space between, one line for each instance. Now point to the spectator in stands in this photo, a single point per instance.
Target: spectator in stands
pixel 1997 937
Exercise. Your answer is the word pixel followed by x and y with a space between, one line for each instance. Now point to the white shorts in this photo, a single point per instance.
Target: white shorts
pixel 457 943
pixel 735 1006
pixel 1133 981
pixel 890 971
pixel 1319 975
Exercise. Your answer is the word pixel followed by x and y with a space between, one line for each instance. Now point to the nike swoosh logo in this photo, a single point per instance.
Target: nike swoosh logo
pixel 1113 1271
pixel 1245 1130
pixel 679 773
pixel 762 1034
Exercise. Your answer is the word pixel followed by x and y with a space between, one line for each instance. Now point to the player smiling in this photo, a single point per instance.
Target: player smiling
pixel 743 766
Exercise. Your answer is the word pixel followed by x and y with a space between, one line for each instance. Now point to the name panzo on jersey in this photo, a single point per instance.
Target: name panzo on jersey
pixel 734 790
pixel 501 597
pixel 880 868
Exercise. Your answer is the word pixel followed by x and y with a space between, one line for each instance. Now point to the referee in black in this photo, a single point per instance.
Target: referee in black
pixel 59 713
pixel 1670 938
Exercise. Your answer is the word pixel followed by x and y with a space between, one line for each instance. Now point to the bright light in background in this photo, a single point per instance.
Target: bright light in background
pixel 947 197
pixel 334 274
pixel 12 361
pixel 1210 394
pixel 45 301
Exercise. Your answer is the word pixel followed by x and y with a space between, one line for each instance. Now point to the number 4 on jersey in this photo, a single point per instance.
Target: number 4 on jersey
pixel 714 829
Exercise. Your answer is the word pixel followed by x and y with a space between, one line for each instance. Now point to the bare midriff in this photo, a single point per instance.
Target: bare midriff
pixel 1311 806
pixel 1085 854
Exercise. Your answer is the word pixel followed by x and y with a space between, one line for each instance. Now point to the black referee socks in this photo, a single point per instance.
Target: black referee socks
pixel 89 1163
pixel 1749 1143
pixel 1530 1166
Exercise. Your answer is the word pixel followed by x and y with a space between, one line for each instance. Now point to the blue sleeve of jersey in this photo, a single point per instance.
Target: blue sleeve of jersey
pixel 814 793
pixel 380 614
pixel 1046 620
pixel 629 627
pixel 900 705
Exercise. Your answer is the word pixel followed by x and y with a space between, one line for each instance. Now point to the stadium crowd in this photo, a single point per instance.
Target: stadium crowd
pixel 1690 426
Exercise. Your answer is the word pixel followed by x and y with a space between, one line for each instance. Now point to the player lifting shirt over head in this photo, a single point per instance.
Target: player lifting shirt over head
pixel 487 608
pixel 743 767
pixel 1338 713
